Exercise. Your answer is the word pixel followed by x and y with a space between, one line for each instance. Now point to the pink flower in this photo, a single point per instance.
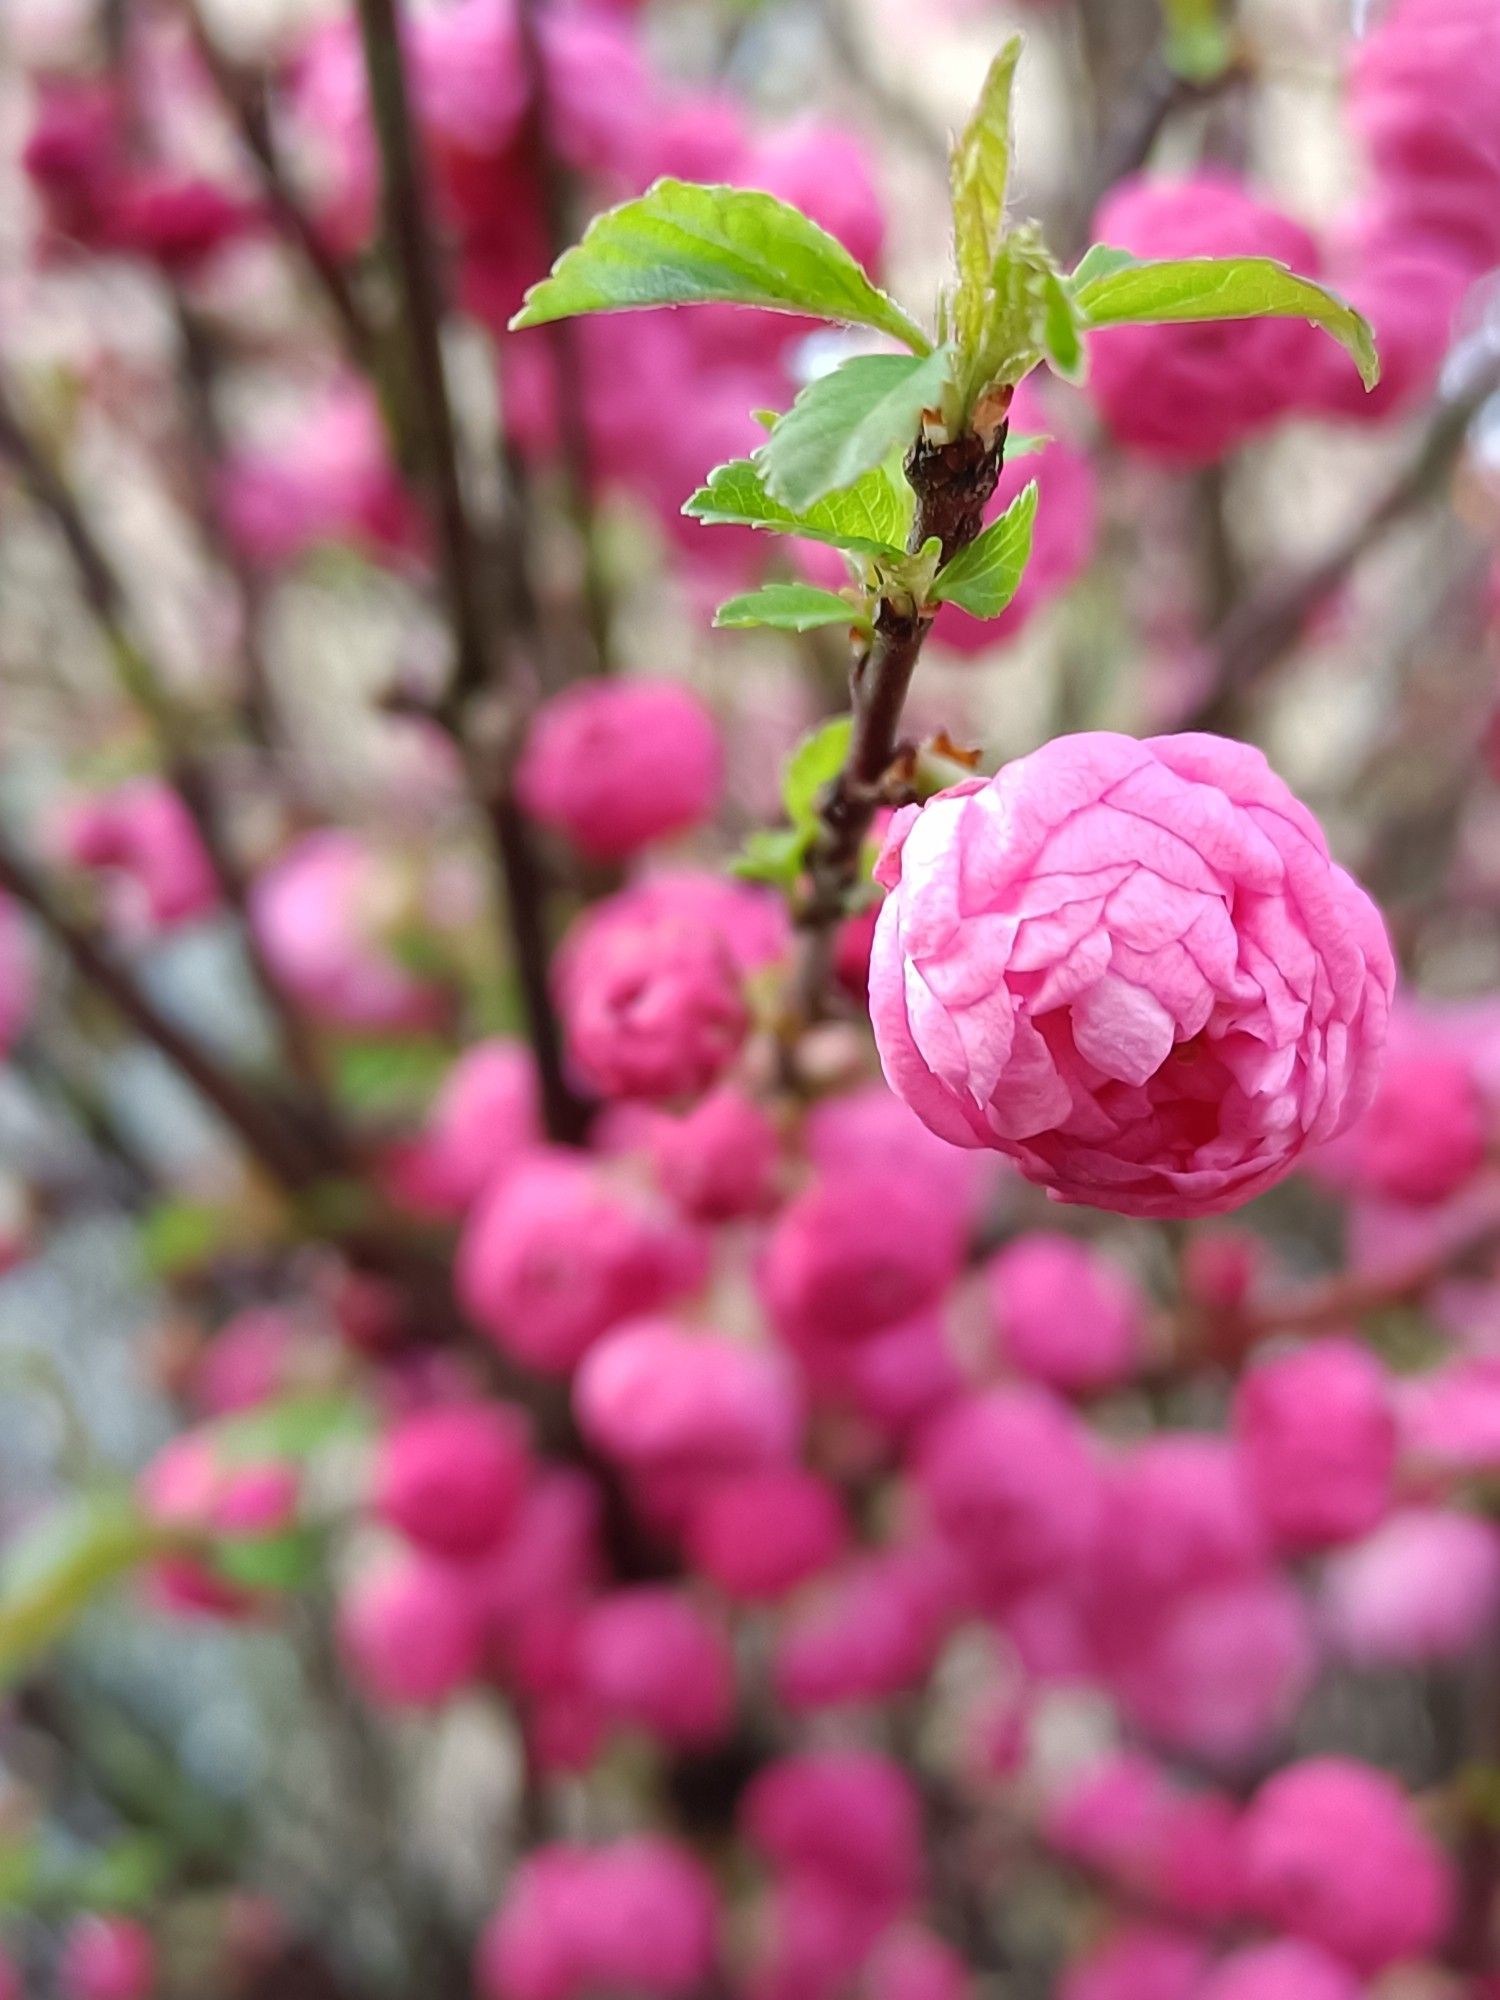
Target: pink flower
pixel 1062 543
pixel 410 1632
pixel 660 1397
pixel 760 1534
pixel 249 1360
pixel 1424 1588
pixel 849 1819
pixel 1152 1839
pixel 1065 1315
pixel 653 1661
pixel 551 1558
pixel 1422 95
pixel 329 480
pixel 556 1255
pixel 1013 1484
pixel 1139 1962
pixel 638 1917
pixel 1177 1516
pixel 1424 1135
pixel 142 836
pixel 1133 967
pixel 17 976
pixel 108 1958
pixel 652 1002
pixel 859 1250
pixel 1317 1430
pixel 1333 1853
pixel 1189 394
pixel 451 1479
pixel 482 1123
pixel 720 1160
pixel 869 1631
pixel 1283 1970
pixel 320 912
pixel 616 765
pixel 853 1127
pixel 1221 1670
pixel 899 1377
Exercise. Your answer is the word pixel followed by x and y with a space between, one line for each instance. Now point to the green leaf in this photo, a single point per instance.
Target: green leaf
pixel 849 422
pixel 788 607
pixel 127 1875
pixel 292 1427
pixel 53 1571
pixel 1197 44
pixel 382 1078
pixel 684 244
pixel 1101 260
pixel 179 1235
pixel 1062 332
pixel 815 762
pixel 983 579
pixel 268 1562
pixel 1213 288
pixel 979 172
pixel 773 855
pixel 867 518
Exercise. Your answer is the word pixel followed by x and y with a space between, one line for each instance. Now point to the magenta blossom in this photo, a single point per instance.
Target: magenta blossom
pixel 1139 1962
pixel 617 764
pixel 1134 967
pixel 410 1632
pixel 1065 1315
pixel 142 838
pixel 661 1397
pixel 451 1479
pixel 1317 1432
pixel 108 1958
pixel 1283 1970
pixel 1189 394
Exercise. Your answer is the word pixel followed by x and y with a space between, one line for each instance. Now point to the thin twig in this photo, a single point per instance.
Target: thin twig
pixel 953 484
pixel 487 740
pixel 1269 623
pixel 276 1140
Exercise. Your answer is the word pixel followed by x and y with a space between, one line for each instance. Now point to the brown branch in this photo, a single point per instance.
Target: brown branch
pixel 953 484
pixel 1269 623
pixel 1348 1296
pixel 487 740
pixel 243 97
pixel 276 1140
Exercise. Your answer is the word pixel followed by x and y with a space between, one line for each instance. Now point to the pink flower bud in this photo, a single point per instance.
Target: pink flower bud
pixel 720 1161
pixel 859 1250
pixel 556 1255
pixel 108 1958
pixel 1133 967
pixel 193 1487
pixel 653 1661
pixel 813 1941
pixel 1219 1269
pixel 1423 1136
pixel 1064 1314
pixel 1284 1970
pixel 250 1360
pixel 410 1632
pixel 638 1917
pixel 1421 95
pixel 902 1376
pixel 142 835
pixel 483 1121
pixel 1012 1481
pixel 653 1003
pixel 869 1122
pixel 552 1556
pixel 1190 394
pixel 451 1479
pixel 616 765
pixel 319 912
pixel 1139 1962
pixel 849 1819
pixel 759 1535
pixel 661 1398
pixel 1317 1429
pixel 870 1631
pixel 1221 1671
pixel 1333 1853
pixel 1424 1588
pixel 1154 1841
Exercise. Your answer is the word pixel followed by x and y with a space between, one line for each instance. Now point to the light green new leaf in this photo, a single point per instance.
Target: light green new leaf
pixel 1212 288
pixel 815 762
pixel 1101 260
pixel 867 518
pixel 983 579
pixel 978 174
pixel 788 607
pixel 848 422
pixel 1062 333
pixel 684 244
pixel 774 855
pixel 55 1570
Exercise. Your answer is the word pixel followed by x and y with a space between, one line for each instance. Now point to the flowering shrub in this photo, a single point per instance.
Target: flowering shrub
pixel 750 1237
